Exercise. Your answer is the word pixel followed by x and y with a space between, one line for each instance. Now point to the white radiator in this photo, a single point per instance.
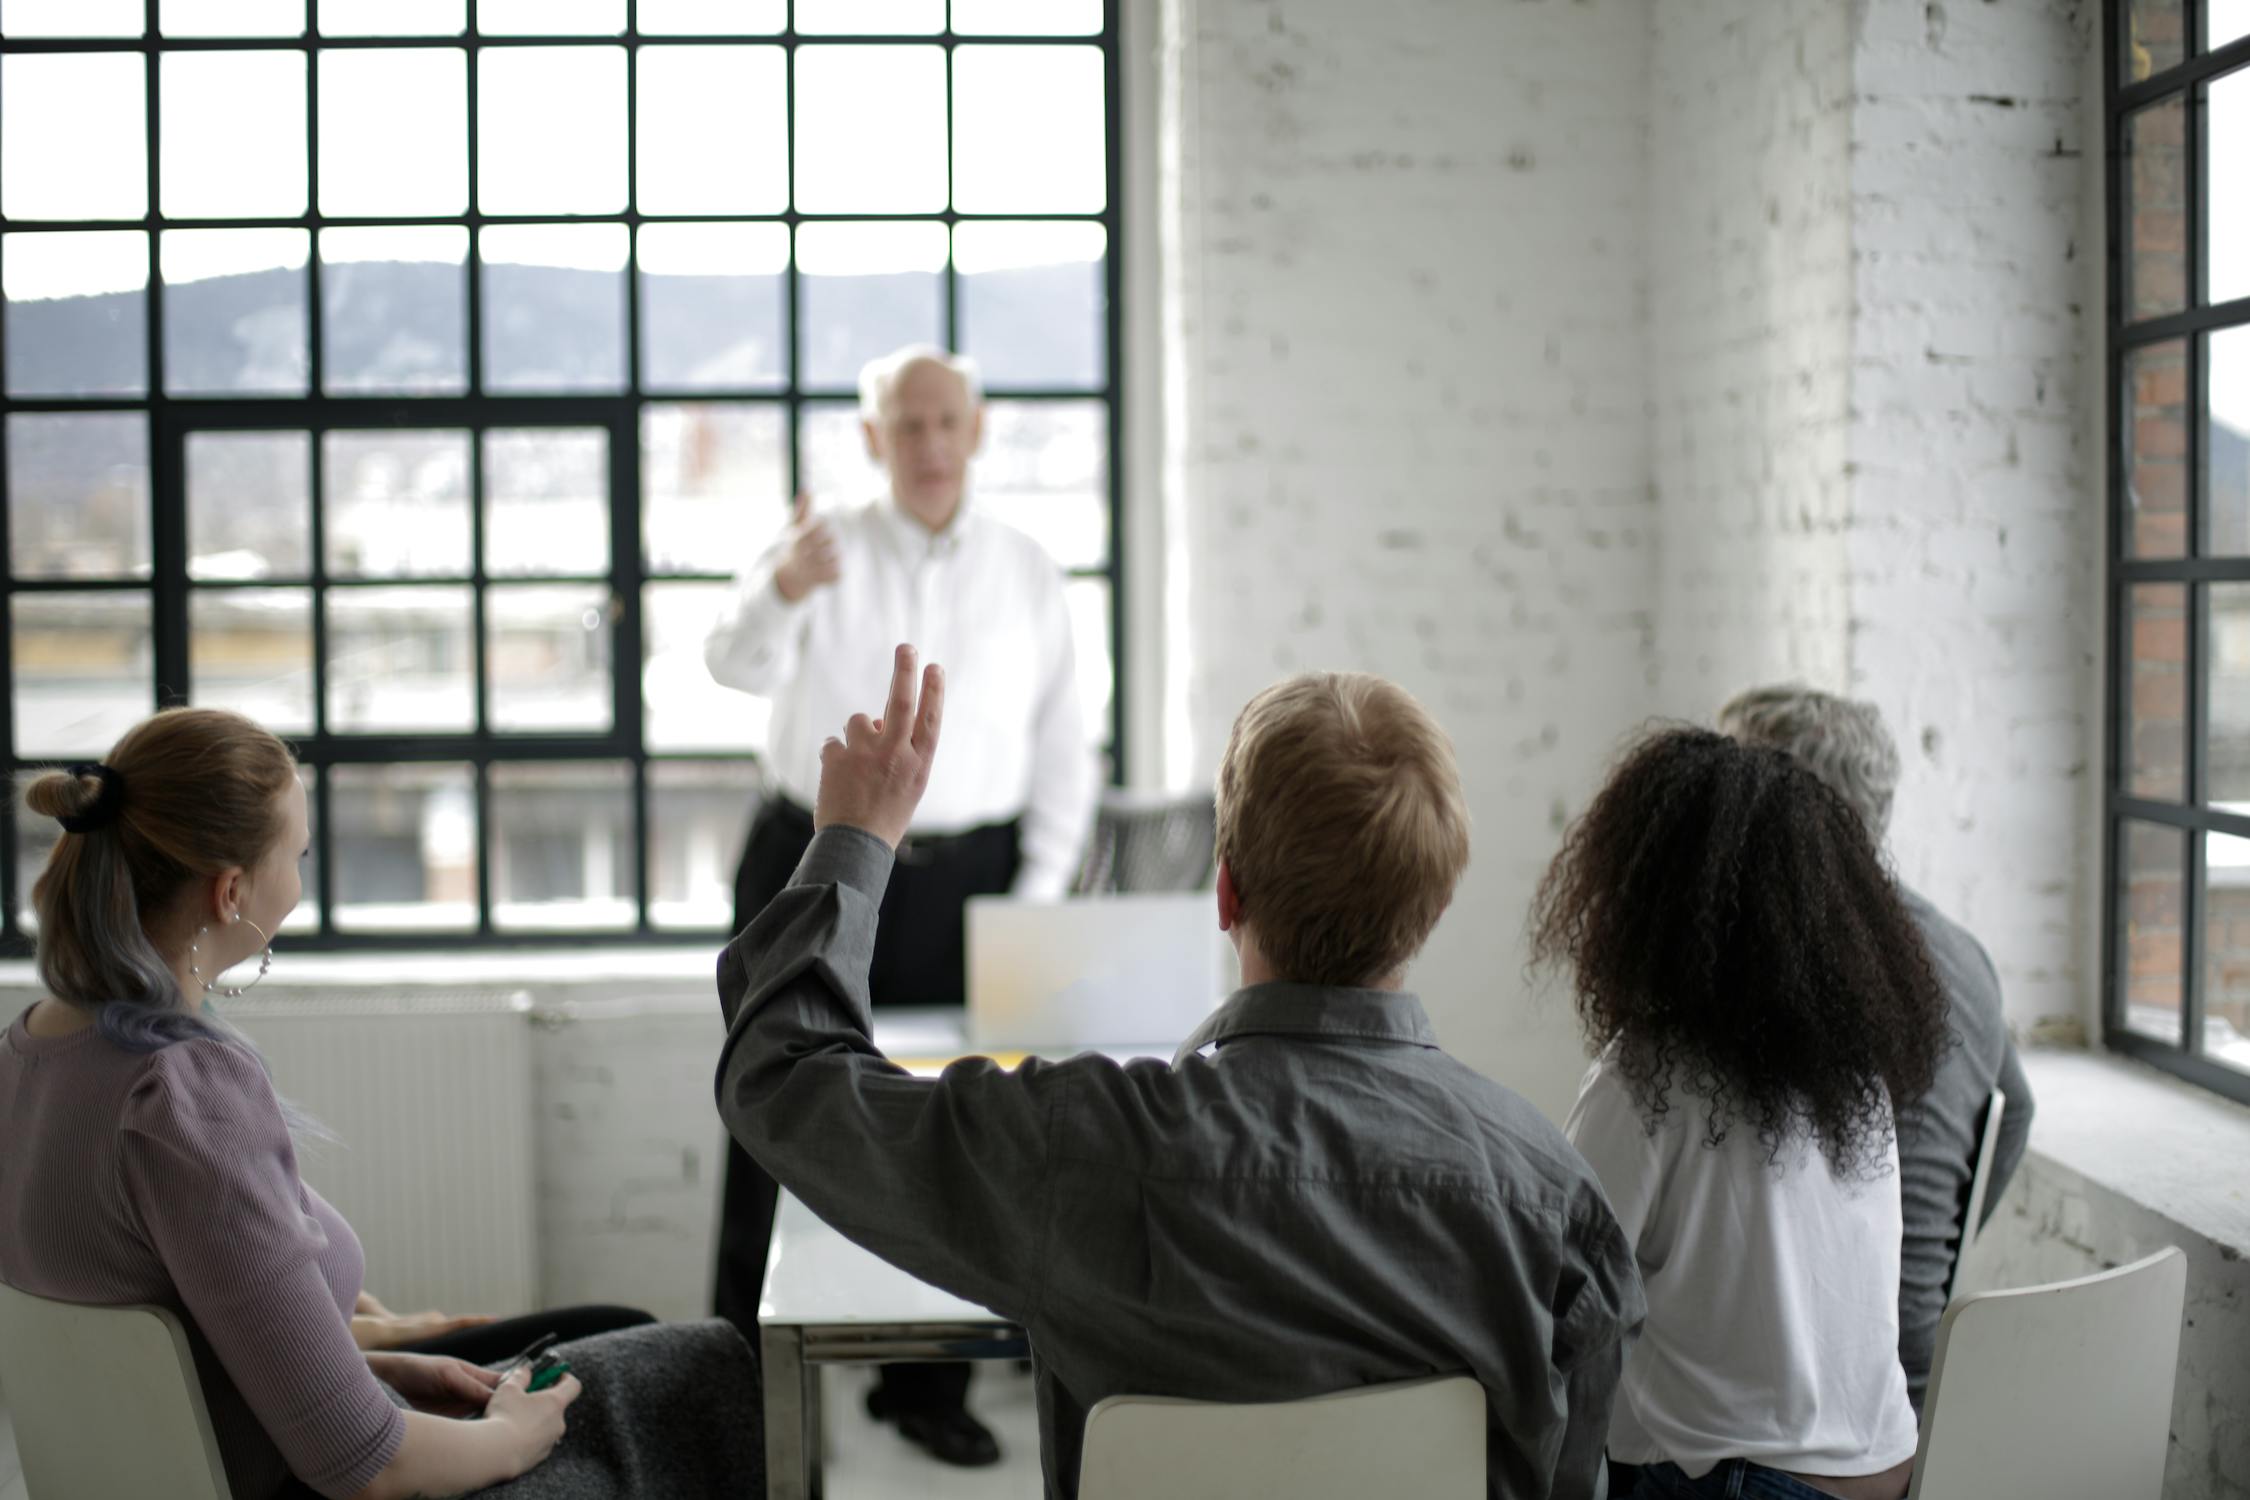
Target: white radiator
pixel 430 1096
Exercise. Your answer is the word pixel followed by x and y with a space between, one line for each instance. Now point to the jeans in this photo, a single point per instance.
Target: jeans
pixel 1731 1479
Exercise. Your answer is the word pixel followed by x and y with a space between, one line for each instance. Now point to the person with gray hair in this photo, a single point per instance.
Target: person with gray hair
pixel 811 620
pixel 1845 744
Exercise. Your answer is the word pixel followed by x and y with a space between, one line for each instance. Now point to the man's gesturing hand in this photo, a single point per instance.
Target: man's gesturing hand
pixel 873 777
pixel 810 559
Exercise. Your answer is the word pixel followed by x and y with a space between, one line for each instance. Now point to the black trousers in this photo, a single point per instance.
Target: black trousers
pixel 921 958
pixel 493 1342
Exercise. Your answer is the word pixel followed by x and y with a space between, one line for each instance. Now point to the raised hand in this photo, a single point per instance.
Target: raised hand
pixel 809 560
pixel 873 777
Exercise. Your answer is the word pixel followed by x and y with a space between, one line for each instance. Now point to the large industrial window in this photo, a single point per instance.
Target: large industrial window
pixel 413 380
pixel 2179 573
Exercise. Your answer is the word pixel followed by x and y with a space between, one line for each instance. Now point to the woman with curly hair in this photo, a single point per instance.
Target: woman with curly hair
pixel 1757 1000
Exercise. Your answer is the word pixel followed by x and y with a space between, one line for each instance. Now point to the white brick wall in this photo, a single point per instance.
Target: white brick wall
pixel 1411 398
pixel 1975 495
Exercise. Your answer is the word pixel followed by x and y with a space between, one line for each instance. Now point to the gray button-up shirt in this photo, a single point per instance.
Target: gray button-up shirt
pixel 1325 1201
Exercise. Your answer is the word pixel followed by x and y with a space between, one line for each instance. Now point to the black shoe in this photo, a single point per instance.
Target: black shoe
pixel 952 1437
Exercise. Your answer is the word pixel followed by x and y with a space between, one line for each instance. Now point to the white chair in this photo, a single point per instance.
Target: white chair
pixel 74 1374
pixel 1425 1434
pixel 1980 1185
pixel 2062 1391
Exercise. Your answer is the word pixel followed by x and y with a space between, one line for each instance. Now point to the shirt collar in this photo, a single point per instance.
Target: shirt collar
pixel 916 540
pixel 1327 1012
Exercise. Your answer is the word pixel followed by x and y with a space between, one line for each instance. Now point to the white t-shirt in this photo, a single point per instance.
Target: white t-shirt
pixel 980 597
pixel 1772 1329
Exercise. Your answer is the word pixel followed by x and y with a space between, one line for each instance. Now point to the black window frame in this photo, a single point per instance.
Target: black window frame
pixel 2193 571
pixel 172 418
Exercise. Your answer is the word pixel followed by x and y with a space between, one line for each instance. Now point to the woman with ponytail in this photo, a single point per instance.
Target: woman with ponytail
pixel 145 1157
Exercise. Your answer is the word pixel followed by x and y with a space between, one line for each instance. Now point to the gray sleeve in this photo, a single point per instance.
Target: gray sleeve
pixel 2015 1129
pixel 1592 1336
pixel 945 1178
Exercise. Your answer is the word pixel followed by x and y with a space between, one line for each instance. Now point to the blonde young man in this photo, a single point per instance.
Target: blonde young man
pixel 1311 1196
pixel 813 620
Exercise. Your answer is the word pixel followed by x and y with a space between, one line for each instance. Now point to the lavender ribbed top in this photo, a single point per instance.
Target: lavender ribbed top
pixel 169 1177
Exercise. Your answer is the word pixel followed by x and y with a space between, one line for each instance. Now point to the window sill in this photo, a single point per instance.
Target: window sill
pixel 2178 1151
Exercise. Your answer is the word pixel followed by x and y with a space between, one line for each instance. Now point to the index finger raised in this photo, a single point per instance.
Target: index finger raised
pixel 898 716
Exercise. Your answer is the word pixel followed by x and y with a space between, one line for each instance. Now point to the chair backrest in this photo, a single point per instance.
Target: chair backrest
pixel 1426 1434
pixel 1144 843
pixel 2062 1391
pixel 105 1402
pixel 1980 1186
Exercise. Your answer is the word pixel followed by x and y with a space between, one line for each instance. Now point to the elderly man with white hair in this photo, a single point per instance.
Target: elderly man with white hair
pixel 811 622
pixel 1844 743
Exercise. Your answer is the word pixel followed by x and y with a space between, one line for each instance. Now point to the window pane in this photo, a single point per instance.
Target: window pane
pixel 73 17
pixel 551 130
pixel 2225 21
pixel 711 17
pixel 249 512
pixel 2156 450
pixel 698 819
pixel 78 502
pixel 2227 668
pixel 547 656
pixel 551 17
pixel 1027 17
pixel 1089 627
pixel 2155 169
pixel 234 312
pixel 864 290
pixel 714 478
pixel 251 650
pixel 2226 441
pixel 2226 176
pixel 852 157
pixel 233 135
pixel 2155 38
pixel 85 670
pixel 2156 690
pixel 2152 874
pixel 1044 470
pixel 77 315
pixel 685 708
pixel 393 17
pixel 396 504
pixel 399 661
pixel 554 307
pixel 546 499
pixel 405 847
pixel 713 136
pixel 306 918
pixel 714 312
pixel 380 161
pixel 562 847
pixel 833 465
pixel 1028 130
pixel 2226 949
pixel 232 17
pixel 1032 302
pixel 98 103
pixel 869 17
pixel 396 304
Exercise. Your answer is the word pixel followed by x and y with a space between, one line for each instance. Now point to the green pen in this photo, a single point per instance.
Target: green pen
pixel 551 1368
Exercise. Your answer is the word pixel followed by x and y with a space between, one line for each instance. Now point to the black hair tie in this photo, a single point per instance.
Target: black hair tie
pixel 102 811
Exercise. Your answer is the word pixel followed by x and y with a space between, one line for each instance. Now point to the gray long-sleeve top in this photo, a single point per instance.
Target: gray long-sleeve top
pixel 1325 1201
pixel 1938 1135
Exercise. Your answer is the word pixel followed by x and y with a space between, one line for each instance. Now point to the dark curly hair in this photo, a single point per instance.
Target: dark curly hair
pixel 1731 930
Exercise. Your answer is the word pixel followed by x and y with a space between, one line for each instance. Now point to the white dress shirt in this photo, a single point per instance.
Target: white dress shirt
pixel 980 598
pixel 1772 1329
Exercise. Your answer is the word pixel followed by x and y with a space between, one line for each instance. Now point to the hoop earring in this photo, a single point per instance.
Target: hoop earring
pixel 265 962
